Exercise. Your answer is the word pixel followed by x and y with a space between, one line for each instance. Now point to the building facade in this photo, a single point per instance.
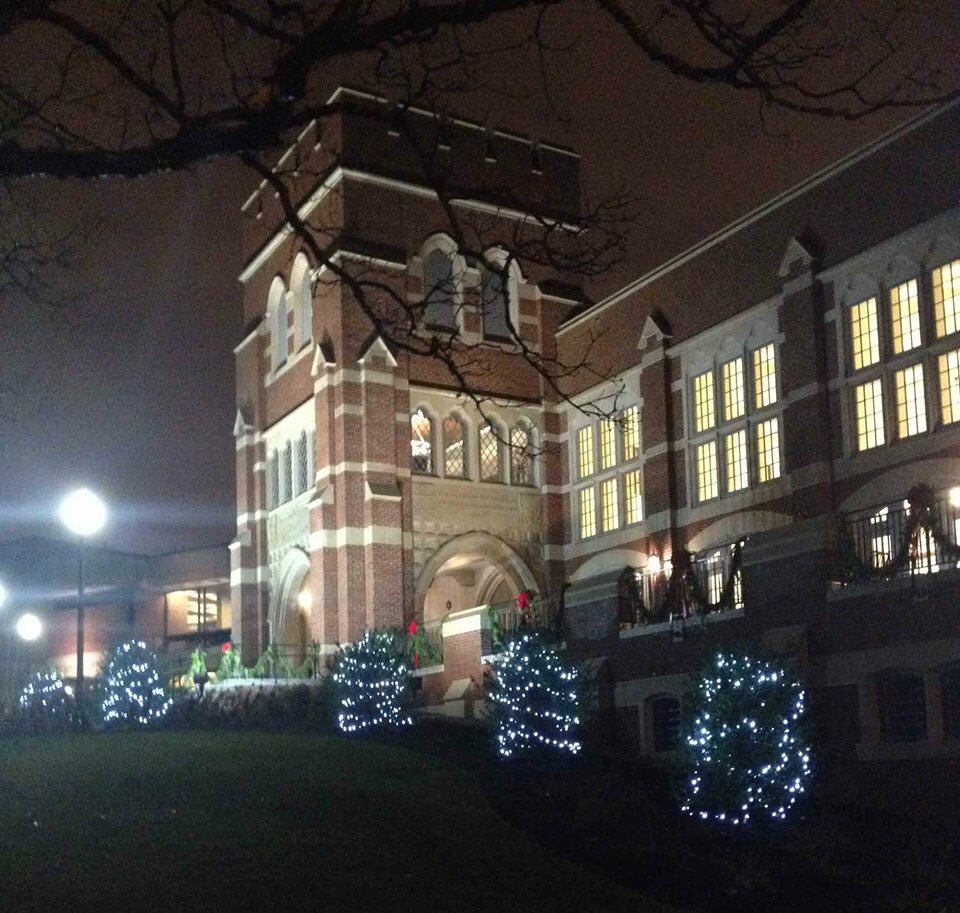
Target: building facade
pixel 772 453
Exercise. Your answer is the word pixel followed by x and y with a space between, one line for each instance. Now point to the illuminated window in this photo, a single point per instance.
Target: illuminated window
pixel 768 450
pixel 714 582
pixel 631 433
pixel 454 448
pixel 911 402
pixel 489 454
pixel 949 370
pixel 764 376
pixel 707 482
pixel 905 317
pixel 864 334
pixel 881 542
pixel 703 402
pixel 439 291
pixel 633 497
pixel 608 443
pixel 946 298
pixel 277 307
pixel 203 610
pixel 869 412
pixel 303 464
pixel 521 455
pixel 585 451
pixel 735 446
pixel 588 512
pixel 421 442
pixel 609 505
pixel 734 401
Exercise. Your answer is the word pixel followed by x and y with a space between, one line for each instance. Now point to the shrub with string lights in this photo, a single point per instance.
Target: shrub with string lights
pixel 372 678
pixel 45 700
pixel 747 746
pixel 133 692
pixel 535 699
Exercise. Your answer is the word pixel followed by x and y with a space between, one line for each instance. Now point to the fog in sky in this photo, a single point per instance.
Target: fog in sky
pixel 129 388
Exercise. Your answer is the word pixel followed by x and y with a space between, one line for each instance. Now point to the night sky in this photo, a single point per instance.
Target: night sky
pixel 130 389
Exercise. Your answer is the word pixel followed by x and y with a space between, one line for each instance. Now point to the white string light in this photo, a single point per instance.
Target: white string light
pixel 44 697
pixel 749 754
pixel 134 693
pixel 373 679
pixel 536 697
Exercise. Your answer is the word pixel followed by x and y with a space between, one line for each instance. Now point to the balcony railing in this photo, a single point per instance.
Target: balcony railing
pixel 918 536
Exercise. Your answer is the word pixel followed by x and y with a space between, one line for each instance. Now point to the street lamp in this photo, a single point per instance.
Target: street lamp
pixel 29 627
pixel 83 513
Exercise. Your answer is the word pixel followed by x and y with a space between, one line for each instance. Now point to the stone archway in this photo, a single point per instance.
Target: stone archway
pixel 468 570
pixel 289 620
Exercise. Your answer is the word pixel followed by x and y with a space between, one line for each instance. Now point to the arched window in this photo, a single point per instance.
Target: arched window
pixel 903 707
pixel 454 447
pixel 495 304
pixel 489 454
pixel 421 442
pixel 521 454
pixel 439 290
pixel 302 287
pixel 273 492
pixel 288 472
pixel 302 463
pixel 277 309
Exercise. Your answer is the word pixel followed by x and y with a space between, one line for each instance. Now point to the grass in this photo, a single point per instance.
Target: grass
pixel 266 821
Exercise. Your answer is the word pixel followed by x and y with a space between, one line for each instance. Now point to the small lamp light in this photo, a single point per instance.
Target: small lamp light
pixel 955 496
pixel 653 564
pixel 83 513
pixel 29 627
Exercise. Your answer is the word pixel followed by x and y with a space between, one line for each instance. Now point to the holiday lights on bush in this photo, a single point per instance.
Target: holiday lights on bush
pixel 373 683
pixel 535 699
pixel 747 747
pixel 133 692
pixel 44 699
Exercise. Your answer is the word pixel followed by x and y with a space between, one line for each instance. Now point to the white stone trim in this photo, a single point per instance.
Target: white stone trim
pixel 354 535
pixel 475 619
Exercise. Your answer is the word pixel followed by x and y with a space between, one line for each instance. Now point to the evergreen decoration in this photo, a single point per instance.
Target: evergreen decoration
pixel 44 700
pixel 748 751
pixel 231 665
pixel 685 591
pixel 133 692
pixel 373 683
pixel 535 697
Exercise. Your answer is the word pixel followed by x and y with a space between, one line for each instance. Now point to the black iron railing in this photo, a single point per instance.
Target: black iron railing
pixel 913 537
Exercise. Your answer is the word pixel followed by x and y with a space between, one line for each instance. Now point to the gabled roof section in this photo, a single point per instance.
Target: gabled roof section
pixel 378 349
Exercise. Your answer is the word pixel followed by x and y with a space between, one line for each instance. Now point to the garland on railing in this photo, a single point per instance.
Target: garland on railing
pixel 684 590
pixel 922 517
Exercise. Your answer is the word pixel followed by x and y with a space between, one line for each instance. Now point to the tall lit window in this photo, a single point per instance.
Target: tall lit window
pixel 703 402
pixel 203 610
pixel 905 317
pixel 495 304
pixel 588 512
pixel 632 497
pixel 734 400
pixel 765 376
pixel 735 447
pixel 948 367
pixel 608 443
pixel 585 451
pixel 454 443
pixel 287 471
pixel 489 454
pixel 946 298
pixel 714 581
pixel 869 414
pixel 421 442
pixel 277 309
pixel 864 334
pixel 911 402
pixel 439 291
pixel 768 450
pixel 303 468
pixel 631 433
pixel 609 505
pixel 708 485
pixel 521 455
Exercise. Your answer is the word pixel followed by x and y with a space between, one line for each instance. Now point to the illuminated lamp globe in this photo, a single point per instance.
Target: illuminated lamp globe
pixel 653 564
pixel 29 627
pixel 83 513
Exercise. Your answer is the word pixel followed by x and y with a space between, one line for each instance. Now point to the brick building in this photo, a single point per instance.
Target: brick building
pixel 778 461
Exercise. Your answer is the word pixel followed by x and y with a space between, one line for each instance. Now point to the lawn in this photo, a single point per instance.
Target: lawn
pixel 237 821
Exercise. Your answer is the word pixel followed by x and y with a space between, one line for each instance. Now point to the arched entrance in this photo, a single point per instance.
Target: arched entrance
pixel 289 617
pixel 470 570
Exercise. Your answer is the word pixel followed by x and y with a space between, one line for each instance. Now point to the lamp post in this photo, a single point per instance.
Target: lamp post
pixel 83 513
